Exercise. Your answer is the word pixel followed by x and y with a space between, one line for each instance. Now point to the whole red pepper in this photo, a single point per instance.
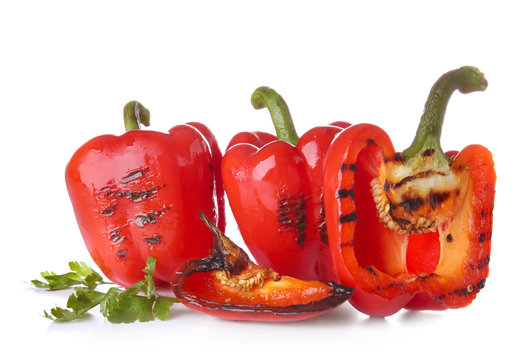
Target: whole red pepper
pixel 411 229
pixel 229 285
pixel 274 187
pixel 140 194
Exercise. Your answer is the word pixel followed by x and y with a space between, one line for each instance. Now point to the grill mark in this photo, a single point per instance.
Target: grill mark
pixel 344 193
pixel 348 217
pixel 109 211
pixel 134 196
pixel 116 237
pixel 133 175
pixel 434 199
pixel 121 254
pixel 323 231
pixel 371 270
pixel 352 167
pixel 411 204
pixel 420 175
pixel 151 218
pixel 292 214
pixel 151 241
pixel 399 158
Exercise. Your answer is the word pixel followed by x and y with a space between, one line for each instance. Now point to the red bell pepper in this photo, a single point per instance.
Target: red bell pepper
pixel 140 194
pixel 411 229
pixel 274 187
pixel 230 286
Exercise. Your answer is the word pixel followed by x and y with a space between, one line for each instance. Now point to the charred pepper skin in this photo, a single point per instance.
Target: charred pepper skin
pixel 411 229
pixel 139 194
pixel 274 186
pixel 230 286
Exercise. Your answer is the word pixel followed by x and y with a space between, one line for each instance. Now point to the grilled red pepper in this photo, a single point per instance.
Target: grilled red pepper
pixel 140 194
pixel 411 229
pixel 230 286
pixel 274 189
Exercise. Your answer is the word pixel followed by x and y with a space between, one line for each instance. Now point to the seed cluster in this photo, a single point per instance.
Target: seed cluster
pixel 400 225
pixel 245 281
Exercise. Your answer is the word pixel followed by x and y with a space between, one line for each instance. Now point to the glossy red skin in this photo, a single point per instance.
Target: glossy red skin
pixel 140 194
pixel 376 292
pixel 275 193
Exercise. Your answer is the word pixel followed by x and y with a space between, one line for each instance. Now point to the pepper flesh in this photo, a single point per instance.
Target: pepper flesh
pixel 230 286
pixel 415 227
pixel 274 186
pixel 139 194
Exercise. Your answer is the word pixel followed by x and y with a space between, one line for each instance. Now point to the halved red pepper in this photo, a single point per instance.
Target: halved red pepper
pixel 411 229
pixel 229 285
pixel 274 187
pixel 139 194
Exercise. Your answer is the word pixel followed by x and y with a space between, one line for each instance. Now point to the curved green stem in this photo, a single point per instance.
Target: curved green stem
pixel 134 114
pixel 466 79
pixel 280 114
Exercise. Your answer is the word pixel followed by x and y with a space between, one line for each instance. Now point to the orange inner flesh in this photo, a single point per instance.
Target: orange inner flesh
pixel 404 252
pixel 282 292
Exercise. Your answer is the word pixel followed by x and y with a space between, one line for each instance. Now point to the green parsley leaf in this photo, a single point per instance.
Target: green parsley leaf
pixel 120 307
pixel 162 306
pixel 117 305
pixel 80 302
pixel 81 274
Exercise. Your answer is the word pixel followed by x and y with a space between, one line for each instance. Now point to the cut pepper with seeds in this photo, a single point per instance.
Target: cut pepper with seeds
pixel 229 285
pixel 411 229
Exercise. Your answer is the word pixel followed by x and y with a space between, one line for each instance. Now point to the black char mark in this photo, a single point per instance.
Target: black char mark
pixel 412 204
pixel 434 199
pixel 133 175
pixel 151 241
pixel 399 158
pixel 134 196
pixel 321 228
pixel 116 237
pixel 352 167
pixel 348 217
pixel 151 218
pixel 109 211
pixel 292 214
pixel 344 193
pixel 371 270
pixel 121 254
pixel 428 152
pixel 423 174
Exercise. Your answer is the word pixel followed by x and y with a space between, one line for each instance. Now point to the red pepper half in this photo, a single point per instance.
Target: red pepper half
pixel 229 285
pixel 411 229
pixel 140 194
pixel 274 186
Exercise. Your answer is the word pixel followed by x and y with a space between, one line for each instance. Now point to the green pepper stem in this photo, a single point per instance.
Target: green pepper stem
pixel 466 79
pixel 280 114
pixel 135 114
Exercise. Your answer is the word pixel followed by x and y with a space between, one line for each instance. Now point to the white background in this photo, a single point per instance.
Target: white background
pixel 68 67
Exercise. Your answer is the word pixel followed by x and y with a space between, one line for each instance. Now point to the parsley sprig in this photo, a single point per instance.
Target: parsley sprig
pixel 138 302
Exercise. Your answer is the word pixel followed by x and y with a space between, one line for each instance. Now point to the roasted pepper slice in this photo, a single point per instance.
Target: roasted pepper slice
pixel 274 186
pixel 230 286
pixel 411 229
pixel 139 194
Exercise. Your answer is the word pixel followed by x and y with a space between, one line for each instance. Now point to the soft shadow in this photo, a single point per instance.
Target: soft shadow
pixel 71 326
pixel 372 321
pixel 419 316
